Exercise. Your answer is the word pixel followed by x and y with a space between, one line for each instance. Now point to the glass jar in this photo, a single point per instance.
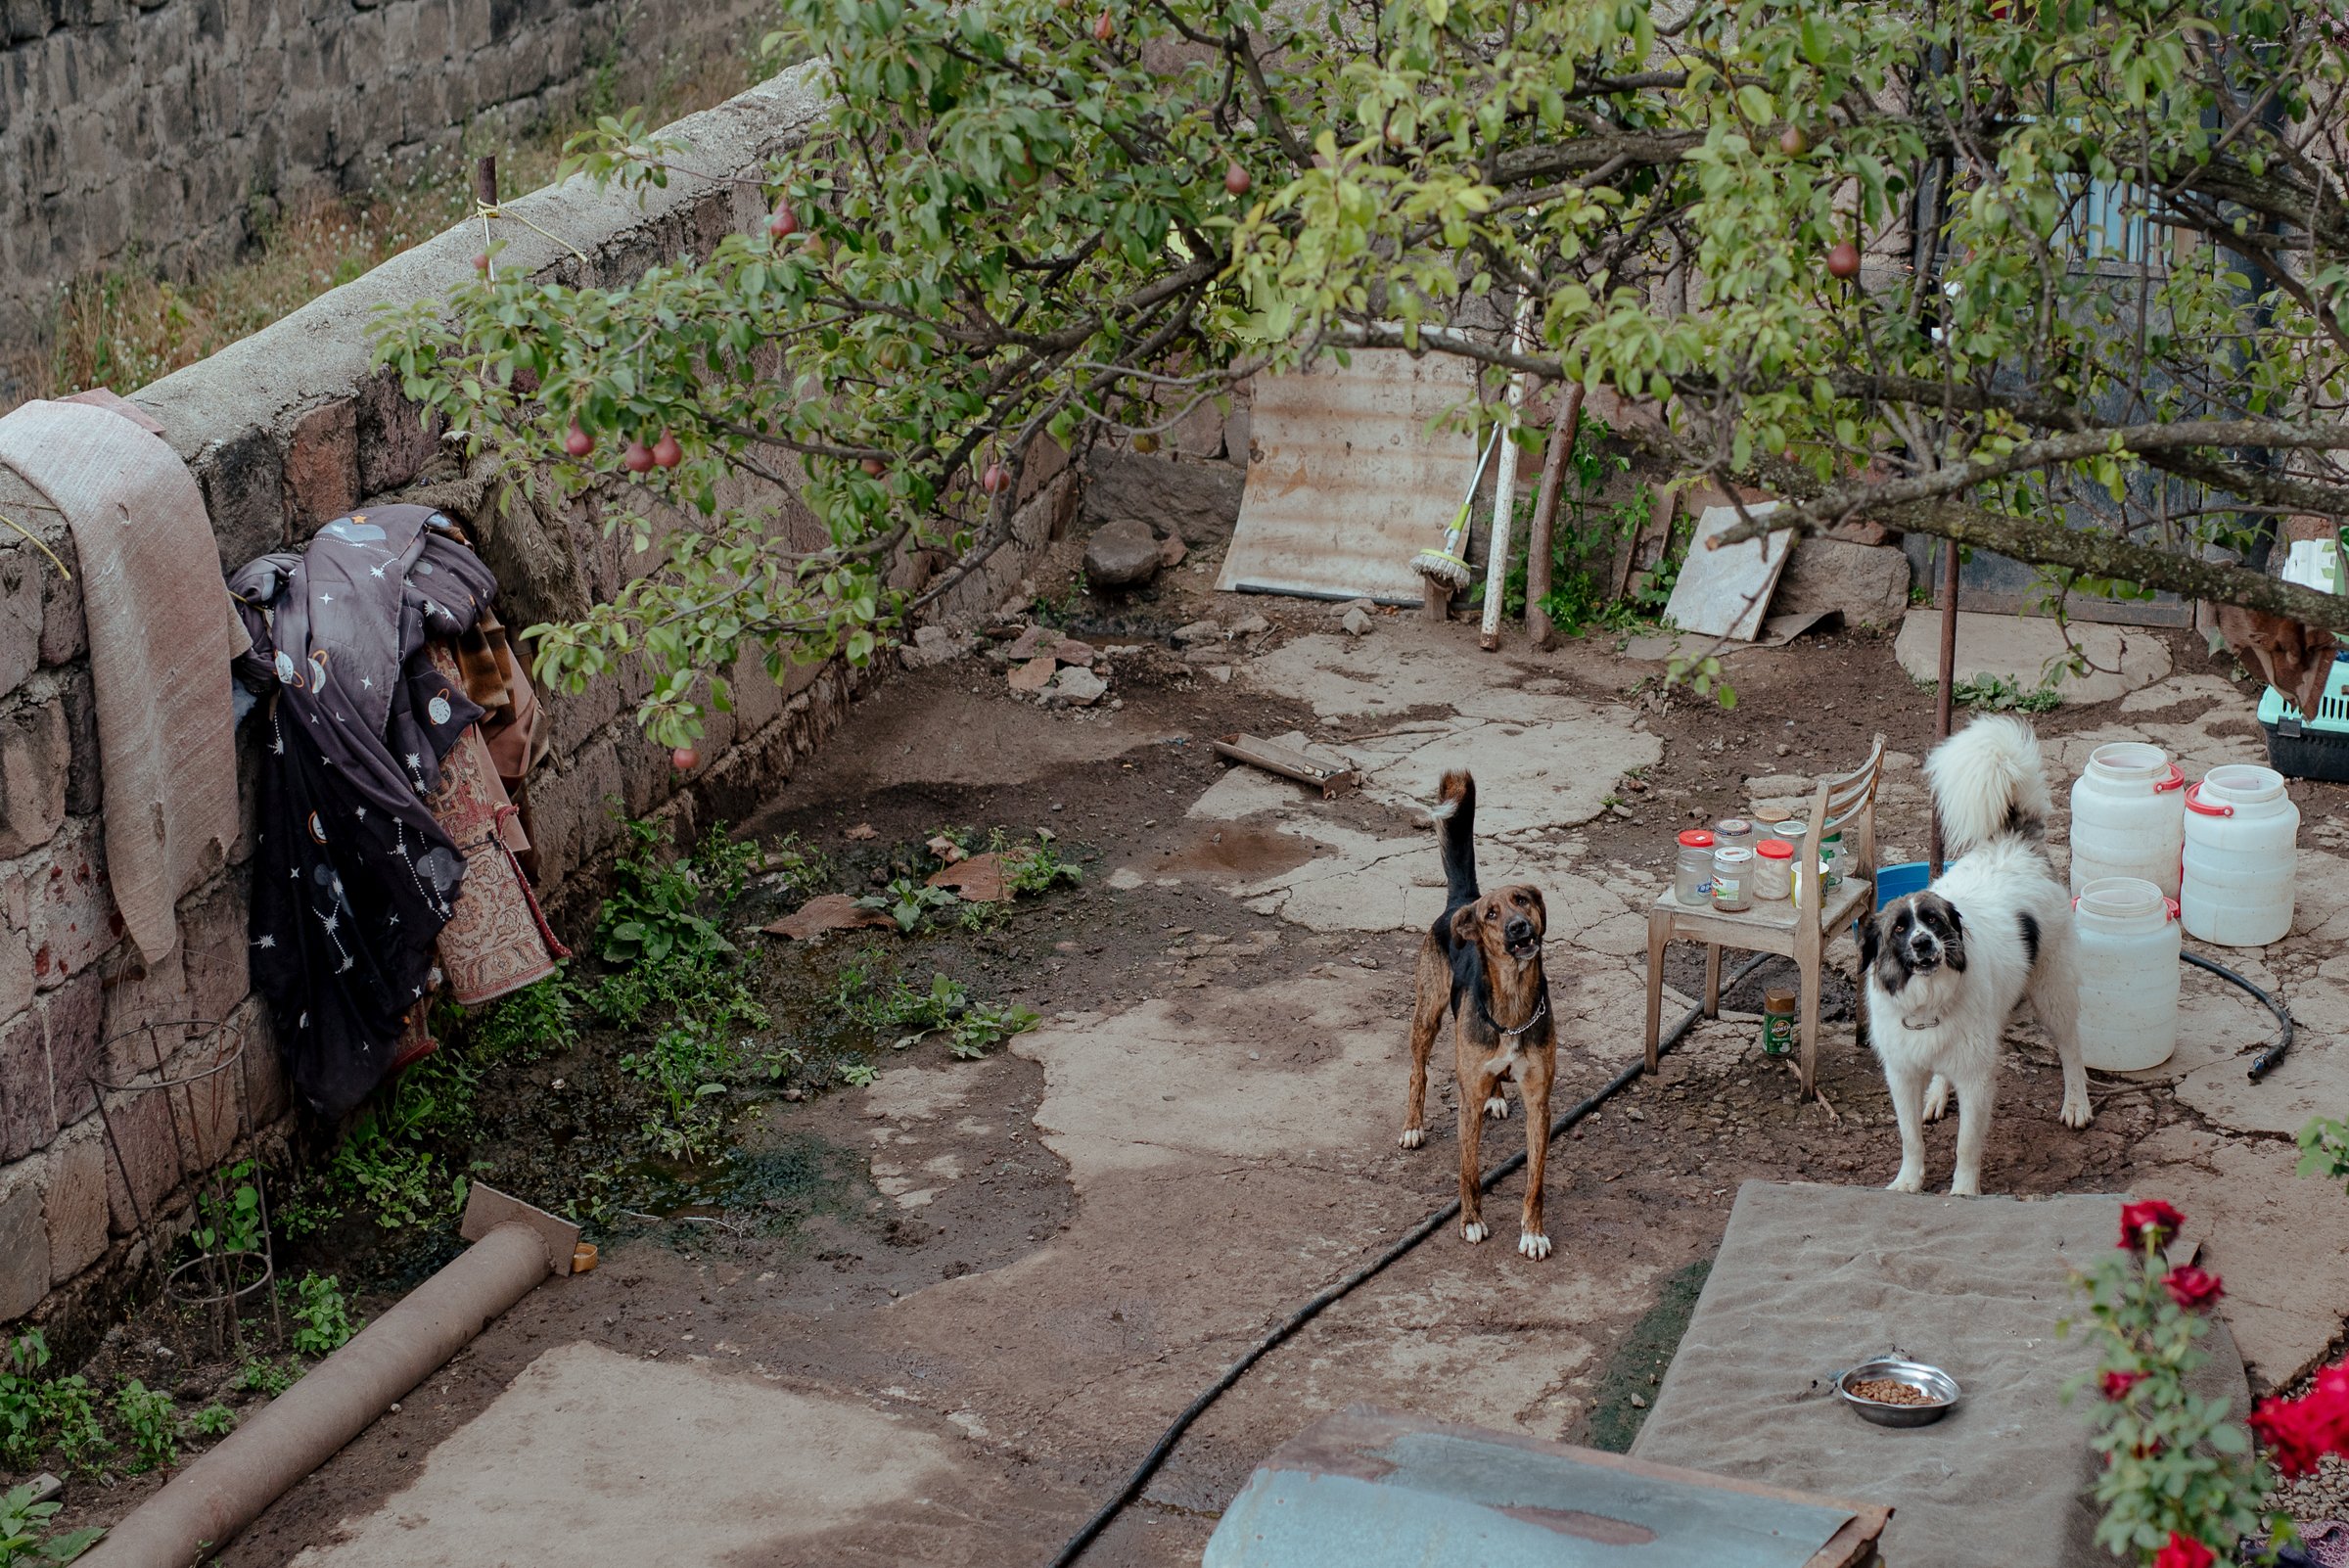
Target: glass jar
pixel 1692 872
pixel 1830 856
pixel 1732 879
pixel 1732 832
pixel 1774 870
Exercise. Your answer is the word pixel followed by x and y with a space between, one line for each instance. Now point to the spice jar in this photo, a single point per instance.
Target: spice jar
pixel 1777 1022
pixel 1774 870
pixel 1692 872
pixel 1732 879
pixel 1732 832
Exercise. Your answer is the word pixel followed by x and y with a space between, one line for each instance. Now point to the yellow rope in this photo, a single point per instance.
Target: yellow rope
pixel 38 544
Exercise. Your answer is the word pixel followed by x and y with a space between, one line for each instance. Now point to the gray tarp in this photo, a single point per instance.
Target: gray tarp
pixel 1811 1279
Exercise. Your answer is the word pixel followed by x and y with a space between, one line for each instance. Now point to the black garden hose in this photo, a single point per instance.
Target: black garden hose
pixel 2267 1058
pixel 1329 1296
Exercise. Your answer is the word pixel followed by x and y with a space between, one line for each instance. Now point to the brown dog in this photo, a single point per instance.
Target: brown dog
pixel 1482 962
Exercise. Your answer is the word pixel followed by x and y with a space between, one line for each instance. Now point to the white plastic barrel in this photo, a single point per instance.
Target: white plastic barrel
pixel 2129 816
pixel 2241 833
pixel 2129 946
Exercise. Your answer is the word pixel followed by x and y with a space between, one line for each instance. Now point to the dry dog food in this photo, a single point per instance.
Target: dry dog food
pixel 1890 1391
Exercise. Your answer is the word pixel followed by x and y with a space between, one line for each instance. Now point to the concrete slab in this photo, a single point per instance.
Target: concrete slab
pixel 2025 649
pixel 604 1460
pixel 2281 1242
pixel 2313 1080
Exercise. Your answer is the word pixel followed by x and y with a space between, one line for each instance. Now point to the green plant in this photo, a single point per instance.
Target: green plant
pixel 1038 868
pixel 321 1316
pixel 147 1414
pixel 908 903
pixel 212 1421
pixel 2178 1478
pixel 70 1408
pixel 651 915
pixel 2325 1149
pixel 540 1020
pixel 798 868
pixel 25 1541
pixel 230 1221
pixel 1999 694
pixel 856 1075
pixel 264 1377
pixel 21 1407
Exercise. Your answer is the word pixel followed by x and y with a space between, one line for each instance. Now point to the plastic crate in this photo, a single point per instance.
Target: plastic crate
pixel 2301 747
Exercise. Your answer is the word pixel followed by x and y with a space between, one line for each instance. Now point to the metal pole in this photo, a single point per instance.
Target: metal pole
pixel 1949 675
pixel 1504 494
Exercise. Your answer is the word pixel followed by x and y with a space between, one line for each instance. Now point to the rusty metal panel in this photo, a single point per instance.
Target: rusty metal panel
pixel 1372 1490
pixel 1347 481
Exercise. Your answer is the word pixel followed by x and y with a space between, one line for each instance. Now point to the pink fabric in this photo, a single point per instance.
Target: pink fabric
pixel 161 635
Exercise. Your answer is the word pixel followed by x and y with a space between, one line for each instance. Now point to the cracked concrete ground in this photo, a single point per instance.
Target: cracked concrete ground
pixel 1225 1113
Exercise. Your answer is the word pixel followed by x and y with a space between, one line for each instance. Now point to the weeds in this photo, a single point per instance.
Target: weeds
pixel 1584 542
pixel 321 1316
pixel 1998 694
pixel 212 1421
pixel 231 1222
pixel 264 1377
pixel 538 1021
pixel 913 1015
pixel 147 1414
pixel 1036 869
pixel 25 1539
pixel 908 903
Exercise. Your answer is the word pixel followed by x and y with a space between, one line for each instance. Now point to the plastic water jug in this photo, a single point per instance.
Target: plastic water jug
pixel 2129 816
pixel 2242 853
pixel 2128 944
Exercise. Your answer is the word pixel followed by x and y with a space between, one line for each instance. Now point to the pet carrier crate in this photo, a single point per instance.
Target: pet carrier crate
pixel 2302 747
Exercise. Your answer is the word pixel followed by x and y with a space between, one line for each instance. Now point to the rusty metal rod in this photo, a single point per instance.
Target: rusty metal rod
pixel 1949 680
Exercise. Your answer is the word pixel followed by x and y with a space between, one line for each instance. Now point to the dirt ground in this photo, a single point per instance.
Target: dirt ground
pixel 992 1282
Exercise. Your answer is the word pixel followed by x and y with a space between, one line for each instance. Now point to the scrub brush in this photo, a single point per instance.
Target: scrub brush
pixel 1446 568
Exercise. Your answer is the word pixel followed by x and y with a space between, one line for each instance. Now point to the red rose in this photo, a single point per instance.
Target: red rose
pixel 2183 1551
pixel 2148 1221
pixel 2294 1431
pixel 2190 1287
pixel 2118 1384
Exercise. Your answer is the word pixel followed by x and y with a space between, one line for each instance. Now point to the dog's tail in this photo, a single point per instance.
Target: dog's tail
pixel 1988 782
pixel 1454 816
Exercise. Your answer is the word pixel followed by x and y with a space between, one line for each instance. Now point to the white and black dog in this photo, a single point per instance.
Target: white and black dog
pixel 1944 968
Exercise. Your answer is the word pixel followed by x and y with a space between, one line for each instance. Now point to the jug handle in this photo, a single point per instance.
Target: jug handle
pixel 2193 803
pixel 2172 906
pixel 2176 780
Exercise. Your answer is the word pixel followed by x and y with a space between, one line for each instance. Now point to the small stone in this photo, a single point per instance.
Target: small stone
pixel 1077 687
pixel 1199 631
pixel 1250 624
pixel 793 1093
pixel 1031 642
pixel 1036 674
pixel 1122 554
pixel 1221 675
pixel 1357 622
pixel 1069 651
pixel 1638 1403
pixel 1172 550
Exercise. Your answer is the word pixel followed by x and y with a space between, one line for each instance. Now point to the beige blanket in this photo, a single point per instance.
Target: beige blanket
pixel 161 636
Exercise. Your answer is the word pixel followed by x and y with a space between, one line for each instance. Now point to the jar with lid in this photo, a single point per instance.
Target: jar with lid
pixel 1732 832
pixel 1795 834
pixel 1774 870
pixel 1692 872
pixel 1831 855
pixel 1732 878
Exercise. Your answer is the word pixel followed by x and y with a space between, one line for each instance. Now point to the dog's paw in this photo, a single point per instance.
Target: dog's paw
pixel 1412 1137
pixel 1908 1181
pixel 1967 1188
pixel 1533 1246
pixel 1474 1231
pixel 1937 1098
pixel 2077 1111
pixel 1497 1107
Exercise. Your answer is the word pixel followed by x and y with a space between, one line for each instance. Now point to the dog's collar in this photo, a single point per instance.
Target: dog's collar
pixel 1921 1025
pixel 1541 1006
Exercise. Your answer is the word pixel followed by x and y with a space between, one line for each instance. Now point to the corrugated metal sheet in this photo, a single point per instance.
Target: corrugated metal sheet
pixel 1376 1491
pixel 1348 483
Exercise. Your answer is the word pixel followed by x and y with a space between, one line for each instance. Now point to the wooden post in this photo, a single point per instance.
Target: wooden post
pixel 1538 628
pixel 1949 678
pixel 484 181
pixel 1435 600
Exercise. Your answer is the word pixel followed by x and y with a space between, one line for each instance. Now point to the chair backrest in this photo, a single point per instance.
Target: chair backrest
pixel 1847 800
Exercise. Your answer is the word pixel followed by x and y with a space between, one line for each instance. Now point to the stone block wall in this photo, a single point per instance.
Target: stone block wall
pixel 171 128
pixel 282 432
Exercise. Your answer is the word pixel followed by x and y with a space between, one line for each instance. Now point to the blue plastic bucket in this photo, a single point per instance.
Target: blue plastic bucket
pixel 1895 881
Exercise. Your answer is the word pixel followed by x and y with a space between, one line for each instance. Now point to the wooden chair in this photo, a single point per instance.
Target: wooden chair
pixel 1797 928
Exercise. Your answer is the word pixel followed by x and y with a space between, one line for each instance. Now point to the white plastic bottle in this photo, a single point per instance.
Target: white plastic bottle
pixel 2129 816
pixel 2241 855
pixel 2129 943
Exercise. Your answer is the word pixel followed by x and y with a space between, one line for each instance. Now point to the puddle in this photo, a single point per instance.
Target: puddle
pixel 774 1188
pixel 1243 852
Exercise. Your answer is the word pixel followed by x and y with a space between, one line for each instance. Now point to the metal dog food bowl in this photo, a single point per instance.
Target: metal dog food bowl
pixel 1937 1385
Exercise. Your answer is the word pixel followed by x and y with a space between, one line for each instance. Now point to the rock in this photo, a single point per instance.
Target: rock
pixel 1199 631
pixel 1197 501
pixel 1121 554
pixel 1069 651
pixel 1357 622
pixel 1250 624
pixel 1031 643
pixel 1866 585
pixel 1079 688
pixel 1172 550
pixel 935 645
pixel 1036 674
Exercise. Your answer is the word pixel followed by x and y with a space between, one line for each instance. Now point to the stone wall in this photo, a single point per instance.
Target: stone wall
pixel 172 127
pixel 283 432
